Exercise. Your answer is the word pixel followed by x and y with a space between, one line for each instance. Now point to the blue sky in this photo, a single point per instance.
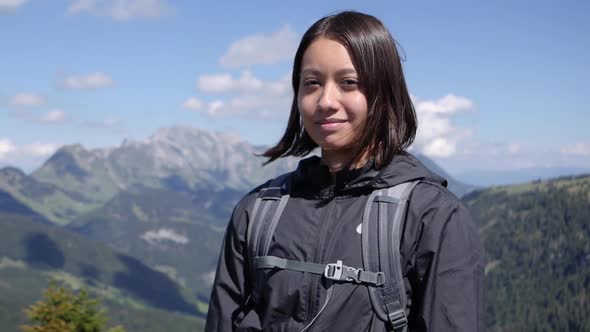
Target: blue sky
pixel 499 85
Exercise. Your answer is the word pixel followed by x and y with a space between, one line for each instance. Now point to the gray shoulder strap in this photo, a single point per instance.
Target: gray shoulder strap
pixel 267 210
pixel 383 219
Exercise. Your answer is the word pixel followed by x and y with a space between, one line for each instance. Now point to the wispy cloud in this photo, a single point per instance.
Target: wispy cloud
pixel 578 149
pixel 122 10
pixel 494 155
pixel 27 99
pixel 252 97
pixel 193 104
pixel 107 123
pixel 261 49
pixel 90 81
pixel 10 5
pixel 246 83
pixel 53 116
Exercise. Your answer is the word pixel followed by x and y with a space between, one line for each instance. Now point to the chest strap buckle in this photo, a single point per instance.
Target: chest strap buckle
pixel 338 271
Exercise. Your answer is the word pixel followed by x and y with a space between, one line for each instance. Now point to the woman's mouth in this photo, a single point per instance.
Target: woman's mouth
pixel 330 124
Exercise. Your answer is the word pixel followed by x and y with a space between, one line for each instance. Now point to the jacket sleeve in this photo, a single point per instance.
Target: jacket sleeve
pixel 450 260
pixel 227 305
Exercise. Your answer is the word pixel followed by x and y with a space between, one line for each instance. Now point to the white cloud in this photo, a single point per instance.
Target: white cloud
pixel 91 81
pixel 255 97
pixel 448 104
pixel 226 83
pixel 163 235
pixel 577 149
pixel 121 10
pixel 53 116
pixel 436 136
pixel 7 5
pixel 439 147
pixel 193 104
pixel 27 99
pixel 27 153
pixel 261 49
pixel 213 107
pixel 253 106
pixel 28 157
pixel 514 148
pixel 246 83
pixel 6 147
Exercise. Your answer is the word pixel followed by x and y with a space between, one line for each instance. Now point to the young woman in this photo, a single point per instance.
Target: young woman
pixel 351 101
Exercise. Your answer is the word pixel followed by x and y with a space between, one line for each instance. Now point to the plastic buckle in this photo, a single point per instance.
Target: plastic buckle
pixel 340 272
pixel 351 274
pixel 333 270
pixel 398 320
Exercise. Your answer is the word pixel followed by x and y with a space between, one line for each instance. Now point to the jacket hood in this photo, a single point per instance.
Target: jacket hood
pixel 312 175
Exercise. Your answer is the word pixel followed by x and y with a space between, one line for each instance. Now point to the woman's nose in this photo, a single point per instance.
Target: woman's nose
pixel 329 97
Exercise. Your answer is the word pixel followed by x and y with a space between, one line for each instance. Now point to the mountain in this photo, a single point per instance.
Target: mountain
pixel 53 202
pixel 537 240
pixel 456 187
pixel 9 205
pixel 32 253
pixel 178 233
pixel 177 158
pixel 75 181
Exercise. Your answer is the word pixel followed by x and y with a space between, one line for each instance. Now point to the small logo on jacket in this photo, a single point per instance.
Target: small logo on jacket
pixel 359 228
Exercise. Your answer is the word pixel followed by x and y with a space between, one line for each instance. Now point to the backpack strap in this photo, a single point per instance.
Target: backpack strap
pixel 267 210
pixel 381 239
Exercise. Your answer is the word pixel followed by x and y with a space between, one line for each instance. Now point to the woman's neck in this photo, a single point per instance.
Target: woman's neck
pixel 337 160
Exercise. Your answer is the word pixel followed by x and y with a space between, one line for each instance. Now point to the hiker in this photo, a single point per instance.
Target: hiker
pixel 363 238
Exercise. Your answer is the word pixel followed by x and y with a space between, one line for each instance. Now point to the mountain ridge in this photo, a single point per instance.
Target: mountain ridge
pixel 75 180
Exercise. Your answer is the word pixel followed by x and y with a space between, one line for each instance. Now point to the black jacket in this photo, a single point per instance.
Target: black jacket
pixel 442 256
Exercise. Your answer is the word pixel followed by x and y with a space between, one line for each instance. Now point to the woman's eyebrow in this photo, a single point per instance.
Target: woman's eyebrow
pixel 340 72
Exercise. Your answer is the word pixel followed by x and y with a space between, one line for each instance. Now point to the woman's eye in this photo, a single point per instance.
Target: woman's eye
pixel 350 81
pixel 310 82
pixel 349 84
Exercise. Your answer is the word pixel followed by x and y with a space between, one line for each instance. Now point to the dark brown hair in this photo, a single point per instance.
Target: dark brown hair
pixel 391 121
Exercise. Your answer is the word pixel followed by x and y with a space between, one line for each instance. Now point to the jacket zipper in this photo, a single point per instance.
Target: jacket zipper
pixel 316 281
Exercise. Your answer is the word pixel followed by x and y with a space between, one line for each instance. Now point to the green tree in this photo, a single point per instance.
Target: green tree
pixel 61 310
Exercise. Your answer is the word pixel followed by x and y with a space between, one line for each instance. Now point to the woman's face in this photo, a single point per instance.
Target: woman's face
pixel 331 104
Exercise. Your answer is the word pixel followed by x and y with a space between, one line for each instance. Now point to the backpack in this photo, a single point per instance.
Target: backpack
pixel 386 285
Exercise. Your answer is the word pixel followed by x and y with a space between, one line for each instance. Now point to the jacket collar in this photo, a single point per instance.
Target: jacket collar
pixel 313 177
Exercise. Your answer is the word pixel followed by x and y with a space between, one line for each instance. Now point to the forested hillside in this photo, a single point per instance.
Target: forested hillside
pixel 138 297
pixel 537 238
